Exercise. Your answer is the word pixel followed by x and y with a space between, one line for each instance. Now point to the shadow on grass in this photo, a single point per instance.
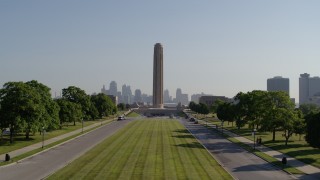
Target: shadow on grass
pixel 191 145
pixel 182 131
pixel 183 136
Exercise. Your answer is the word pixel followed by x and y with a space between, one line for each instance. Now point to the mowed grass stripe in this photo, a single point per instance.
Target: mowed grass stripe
pixel 107 156
pixel 146 149
pixel 140 164
pixel 128 169
pixel 178 163
pixel 183 149
pixel 168 165
pixel 150 164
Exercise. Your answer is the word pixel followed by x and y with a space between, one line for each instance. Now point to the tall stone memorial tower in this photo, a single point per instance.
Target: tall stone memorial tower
pixel 158 76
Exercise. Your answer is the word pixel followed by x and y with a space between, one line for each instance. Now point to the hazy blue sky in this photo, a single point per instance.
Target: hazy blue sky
pixel 217 47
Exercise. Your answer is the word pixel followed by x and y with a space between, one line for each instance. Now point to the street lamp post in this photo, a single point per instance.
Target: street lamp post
pixel 254 138
pixel 42 137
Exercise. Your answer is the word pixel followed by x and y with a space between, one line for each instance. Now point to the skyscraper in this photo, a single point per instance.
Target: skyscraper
pixel 303 88
pixel 166 96
pixel 178 95
pixel 137 96
pixel 309 87
pixel 278 83
pixel 158 76
pixel 113 90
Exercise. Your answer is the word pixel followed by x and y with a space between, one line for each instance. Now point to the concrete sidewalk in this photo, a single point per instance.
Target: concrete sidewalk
pixel 307 169
pixel 26 149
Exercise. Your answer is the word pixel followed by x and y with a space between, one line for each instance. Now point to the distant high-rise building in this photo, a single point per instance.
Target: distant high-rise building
pixel 309 87
pixel 195 97
pixel 166 96
pixel 303 88
pixel 126 94
pixel 103 90
pixel 278 83
pixel 113 89
pixel 184 99
pixel 137 96
pixel 178 95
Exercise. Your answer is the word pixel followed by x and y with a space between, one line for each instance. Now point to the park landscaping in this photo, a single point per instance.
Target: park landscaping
pixel 146 149
pixel 297 146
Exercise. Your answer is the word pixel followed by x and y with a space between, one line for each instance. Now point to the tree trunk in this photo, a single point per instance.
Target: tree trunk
pixel 274 134
pixel 74 123
pixel 11 135
pixel 27 134
pixel 2 135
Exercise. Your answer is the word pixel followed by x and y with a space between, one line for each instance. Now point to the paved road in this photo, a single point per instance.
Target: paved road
pixel 43 164
pixel 239 162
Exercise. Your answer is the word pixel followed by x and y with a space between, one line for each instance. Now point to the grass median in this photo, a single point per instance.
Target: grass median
pixel 146 149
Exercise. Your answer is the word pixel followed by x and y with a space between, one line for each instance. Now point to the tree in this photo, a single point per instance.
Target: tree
pixel 121 106
pixel 78 96
pixel 225 112
pixel 69 111
pixel 103 104
pixel 21 108
pixel 239 109
pixel 291 121
pixel 313 126
pixel 50 117
pixel 279 110
pixel 203 109
pixel 309 108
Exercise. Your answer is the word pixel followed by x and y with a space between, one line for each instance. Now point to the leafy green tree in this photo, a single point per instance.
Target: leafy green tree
pixel 69 112
pixel 78 96
pixel 192 106
pixel 313 126
pixel 50 117
pixel 279 109
pixel 240 109
pixel 121 106
pixel 21 108
pixel 103 104
pixel 224 112
pixel 299 125
pixel 309 108
pixel 203 109
pixel 290 120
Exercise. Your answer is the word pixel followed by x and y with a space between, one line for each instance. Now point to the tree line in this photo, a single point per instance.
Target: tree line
pixel 270 111
pixel 28 107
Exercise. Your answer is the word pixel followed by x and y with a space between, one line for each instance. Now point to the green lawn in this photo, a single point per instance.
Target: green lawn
pixel 133 114
pixel 19 140
pixel 296 148
pixel 146 149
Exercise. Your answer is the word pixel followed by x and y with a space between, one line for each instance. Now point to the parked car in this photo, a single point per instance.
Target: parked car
pixel 120 118
pixel 196 122
pixel 192 120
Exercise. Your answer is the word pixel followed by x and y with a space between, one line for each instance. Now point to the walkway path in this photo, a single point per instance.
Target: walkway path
pixel 311 171
pixel 26 149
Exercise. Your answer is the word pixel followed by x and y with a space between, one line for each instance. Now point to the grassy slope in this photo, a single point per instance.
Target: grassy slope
pixel 146 149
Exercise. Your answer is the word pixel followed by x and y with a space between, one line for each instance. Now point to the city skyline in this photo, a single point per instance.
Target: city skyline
pixel 219 48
